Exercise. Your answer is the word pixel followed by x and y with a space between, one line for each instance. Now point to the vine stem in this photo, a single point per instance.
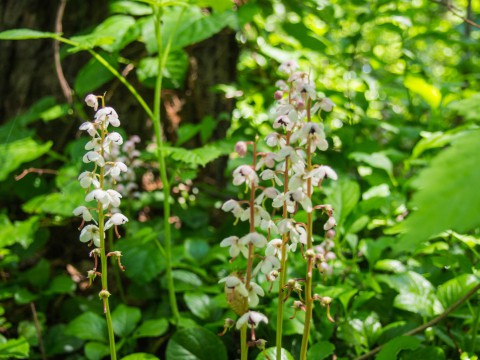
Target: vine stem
pixel 103 260
pixel 283 263
pixel 308 279
pixel 162 60
pixel 432 322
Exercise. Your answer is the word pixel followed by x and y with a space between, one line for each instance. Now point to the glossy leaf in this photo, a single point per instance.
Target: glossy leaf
pixel 88 326
pixel 124 319
pixel 26 34
pixel 320 350
pixel 391 349
pixel 151 328
pixel 14 349
pixel 271 353
pixel 196 344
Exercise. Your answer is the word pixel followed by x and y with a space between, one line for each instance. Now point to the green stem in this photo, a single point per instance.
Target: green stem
pixel 104 263
pixel 162 60
pixel 308 279
pixel 283 265
pixel 243 342
pixel 114 263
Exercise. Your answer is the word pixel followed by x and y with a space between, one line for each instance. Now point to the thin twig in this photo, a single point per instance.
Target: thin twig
pixel 35 170
pixel 430 323
pixel 455 11
pixel 67 91
pixel 38 330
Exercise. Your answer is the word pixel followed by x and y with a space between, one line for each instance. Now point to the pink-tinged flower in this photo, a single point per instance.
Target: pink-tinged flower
pixel 274 139
pixel 236 247
pixel 288 67
pixel 89 128
pixel 91 232
pixel 267 264
pixel 107 116
pixel 326 104
pixel 83 212
pixel 307 89
pixel 241 148
pixel 233 206
pixel 330 224
pixel 267 159
pixel 252 318
pixel 245 174
pixel 253 294
pixel 116 219
pixel 93 156
pixel 283 121
pixel 92 101
pixel 269 175
pixel 258 240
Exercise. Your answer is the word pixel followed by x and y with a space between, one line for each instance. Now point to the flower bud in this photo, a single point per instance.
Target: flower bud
pixel 241 148
pixel 104 294
pixel 278 95
pixel 92 101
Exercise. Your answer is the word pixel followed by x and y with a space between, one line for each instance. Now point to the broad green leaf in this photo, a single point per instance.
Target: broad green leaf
pixel 428 353
pixel 96 351
pixel 130 8
pixel 195 157
pixel 93 75
pixel 175 69
pixel 372 249
pixel 27 330
pixel 195 344
pixel 151 328
pixel 199 304
pixel 58 342
pixel 376 160
pixel 88 326
pixel 26 34
pixel 139 356
pixel 61 284
pixel 445 199
pixel 271 353
pixel 14 349
pixel 197 249
pixel 391 349
pixel 390 265
pixel 434 140
pixel 343 195
pixel 142 255
pixel 452 290
pixel 23 296
pixel 20 232
pixel 15 153
pixel 124 319
pixel 467 108
pixel 217 5
pixel 362 330
pixel 320 350
pixel 428 92
pixel 186 280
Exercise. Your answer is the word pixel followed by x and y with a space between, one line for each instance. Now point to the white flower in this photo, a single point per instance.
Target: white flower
pixel 92 101
pixel 93 156
pixel 306 88
pixel 330 224
pixel 270 174
pixel 115 138
pixel 269 192
pixel 83 212
pixel 255 291
pixel 233 206
pixel 288 66
pixel 326 104
pixel 99 195
pixel 114 197
pixel 235 246
pixel 89 127
pixel 269 225
pixel 252 318
pixel 116 219
pixel 254 238
pixel 244 174
pixel 234 283
pixel 94 144
pixel 88 178
pixel 274 248
pixel 116 169
pixel 107 116
pixel 268 264
pixel 273 139
pixel 283 121
pixel 259 214
pixel 320 173
pixel 91 232
pixel 268 159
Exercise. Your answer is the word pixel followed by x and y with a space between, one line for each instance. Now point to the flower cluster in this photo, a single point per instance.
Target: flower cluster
pixel 102 145
pixel 290 178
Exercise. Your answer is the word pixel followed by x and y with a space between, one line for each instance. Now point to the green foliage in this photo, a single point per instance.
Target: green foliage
pixel 196 344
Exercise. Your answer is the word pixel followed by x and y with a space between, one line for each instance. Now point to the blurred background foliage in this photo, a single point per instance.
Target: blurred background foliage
pixel 404 138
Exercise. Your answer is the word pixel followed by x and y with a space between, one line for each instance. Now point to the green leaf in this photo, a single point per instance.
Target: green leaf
pixel 392 348
pixel 125 319
pixel 320 350
pixel 93 75
pixel 199 304
pixel 20 232
pixel 217 5
pixel 142 256
pixel 428 353
pixel 58 342
pixel 195 344
pixel 428 92
pixel 130 7
pixel 186 280
pixel 139 356
pixel 197 249
pixel 195 157
pixel 271 353
pixel 61 284
pixel 343 195
pixel 175 69
pixel 151 328
pixel 362 331
pixel 445 199
pixel 376 160
pixel 88 326
pixel 15 153
pixel 26 34
pixel 452 290
pixel 96 350
pixel 14 349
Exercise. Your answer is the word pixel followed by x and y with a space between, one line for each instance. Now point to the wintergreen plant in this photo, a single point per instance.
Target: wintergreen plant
pixel 292 176
pixel 100 150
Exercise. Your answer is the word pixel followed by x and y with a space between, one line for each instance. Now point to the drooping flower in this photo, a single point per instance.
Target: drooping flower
pixel 251 318
pixel 236 247
pixel 92 101
pixel 83 212
pixel 90 232
pixel 245 174
pixel 116 219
